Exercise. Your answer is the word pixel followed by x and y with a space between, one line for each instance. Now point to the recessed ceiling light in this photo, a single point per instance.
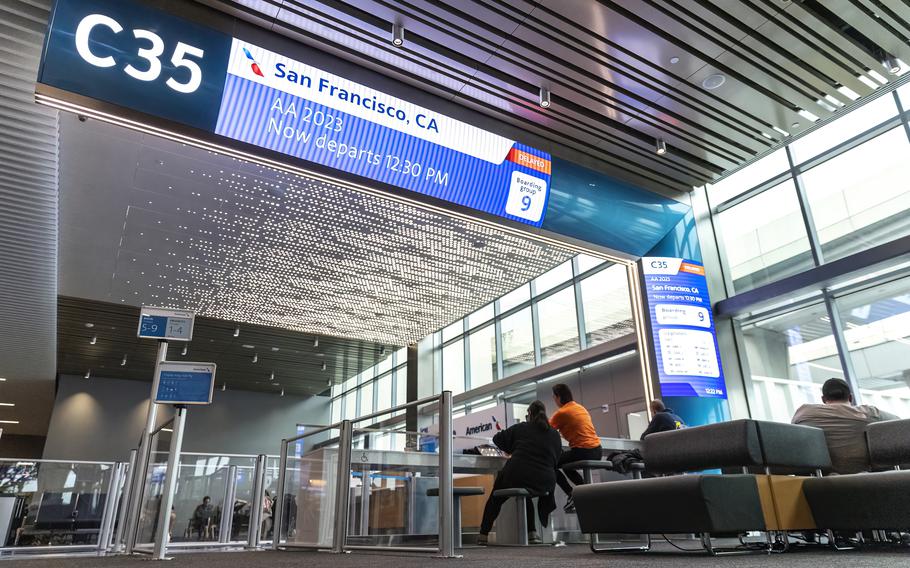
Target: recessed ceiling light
pixel 89 325
pixel 674 60
pixel 7 404
pixel 9 421
pixel 713 81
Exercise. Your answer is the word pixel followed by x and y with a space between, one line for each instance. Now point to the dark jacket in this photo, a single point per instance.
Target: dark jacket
pixel 532 465
pixel 664 421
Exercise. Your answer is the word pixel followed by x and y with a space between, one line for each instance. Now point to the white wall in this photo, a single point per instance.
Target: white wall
pixel 102 419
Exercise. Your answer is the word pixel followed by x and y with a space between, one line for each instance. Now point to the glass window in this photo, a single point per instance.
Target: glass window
pixel 515 298
pixel 553 278
pixel 336 410
pixel 876 325
pixel 860 198
pixel 350 405
pixel 607 306
pixel 765 238
pixel 844 128
pixel 483 356
pixel 453 330
pixel 366 399
pixel 401 356
pixel 586 262
pixel 752 175
pixel 789 357
pixel 384 365
pixel 384 392
pixel 904 93
pixel 517 343
pixel 401 387
pixel 453 367
pixel 350 383
pixel 558 325
pixel 482 315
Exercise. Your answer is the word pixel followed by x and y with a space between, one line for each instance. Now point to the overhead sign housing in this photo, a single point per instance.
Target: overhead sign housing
pixel 124 53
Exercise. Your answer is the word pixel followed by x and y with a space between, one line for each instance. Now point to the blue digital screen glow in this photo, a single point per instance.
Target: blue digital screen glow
pixel 133 56
pixel 682 327
pixel 184 387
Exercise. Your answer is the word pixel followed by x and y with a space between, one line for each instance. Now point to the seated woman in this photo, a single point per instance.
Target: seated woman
pixel 535 448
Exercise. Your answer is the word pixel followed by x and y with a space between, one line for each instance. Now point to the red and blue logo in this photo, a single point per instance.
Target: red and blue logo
pixel 254 66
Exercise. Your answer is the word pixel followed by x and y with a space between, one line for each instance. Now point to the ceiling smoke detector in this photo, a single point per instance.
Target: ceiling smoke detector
pixel 714 81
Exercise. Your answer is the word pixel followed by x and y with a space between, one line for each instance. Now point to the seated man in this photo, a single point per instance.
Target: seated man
pixel 663 419
pixel 844 425
pixel 203 516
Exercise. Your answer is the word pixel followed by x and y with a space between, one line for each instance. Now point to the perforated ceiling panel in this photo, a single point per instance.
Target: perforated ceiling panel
pixel 149 221
pixel 28 224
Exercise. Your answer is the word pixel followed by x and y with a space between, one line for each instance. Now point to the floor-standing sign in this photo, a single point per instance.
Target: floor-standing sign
pixel 179 384
pixel 163 325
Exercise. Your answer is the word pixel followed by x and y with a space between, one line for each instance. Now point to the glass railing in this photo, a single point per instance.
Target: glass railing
pixel 49 504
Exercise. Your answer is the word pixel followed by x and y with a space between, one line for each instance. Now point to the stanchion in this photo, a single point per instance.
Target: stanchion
pixel 343 487
pixel 446 482
pixel 110 507
pixel 144 455
pixel 123 509
pixel 279 506
pixel 254 535
pixel 170 484
pixel 226 523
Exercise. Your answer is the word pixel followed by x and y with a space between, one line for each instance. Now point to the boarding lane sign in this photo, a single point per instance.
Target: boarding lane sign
pixel 165 324
pixel 181 382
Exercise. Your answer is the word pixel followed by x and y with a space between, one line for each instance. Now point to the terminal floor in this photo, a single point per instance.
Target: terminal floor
pixel 503 557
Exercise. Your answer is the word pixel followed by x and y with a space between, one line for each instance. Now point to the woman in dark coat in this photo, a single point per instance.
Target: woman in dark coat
pixel 534 448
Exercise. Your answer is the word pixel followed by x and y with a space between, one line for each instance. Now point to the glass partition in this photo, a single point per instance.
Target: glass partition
pixel 46 503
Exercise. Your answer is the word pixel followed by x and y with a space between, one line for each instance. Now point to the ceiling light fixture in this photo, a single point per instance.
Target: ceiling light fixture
pixel 236 332
pixel 315 343
pixel 223 387
pixel 88 374
pixel 891 63
pixel 544 100
pixel 7 404
pixel 89 325
pixel 382 350
pixel 184 350
pixel 123 361
pixel 9 421
pixel 272 376
pixel 674 60
pixel 255 357
pixel 660 147
pixel 2 379
pixel 93 340
pixel 323 366
pixel 282 392
pixel 397 35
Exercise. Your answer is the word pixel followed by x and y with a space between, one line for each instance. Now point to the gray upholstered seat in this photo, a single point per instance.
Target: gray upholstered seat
pixel 867 501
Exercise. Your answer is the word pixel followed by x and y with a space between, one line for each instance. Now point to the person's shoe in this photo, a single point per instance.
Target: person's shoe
pixel 534 538
pixel 570 506
pixel 482 540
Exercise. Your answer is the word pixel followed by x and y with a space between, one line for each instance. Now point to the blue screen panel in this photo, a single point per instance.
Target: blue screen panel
pixel 184 387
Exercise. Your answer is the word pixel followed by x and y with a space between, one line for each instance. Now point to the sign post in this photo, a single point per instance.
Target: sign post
pixel 163 325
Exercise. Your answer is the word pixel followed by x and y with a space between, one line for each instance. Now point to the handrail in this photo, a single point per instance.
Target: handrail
pixel 37 461
pixel 319 430
pixel 394 409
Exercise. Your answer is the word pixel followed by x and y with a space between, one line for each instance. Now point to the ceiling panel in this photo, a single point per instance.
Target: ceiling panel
pixel 622 72
pixel 147 221
pixel 28 224
pixel 99 339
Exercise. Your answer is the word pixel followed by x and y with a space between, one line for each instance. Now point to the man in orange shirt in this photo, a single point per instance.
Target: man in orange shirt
pixel 574 423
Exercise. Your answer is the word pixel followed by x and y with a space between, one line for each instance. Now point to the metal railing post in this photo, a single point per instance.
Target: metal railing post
pixel 278 507
pixel 110 507
pixel 446 482
pixel 226 522
pixel 254 535
pixel 144 456
pixel 123 509
pixel 170 484
pixel 343 487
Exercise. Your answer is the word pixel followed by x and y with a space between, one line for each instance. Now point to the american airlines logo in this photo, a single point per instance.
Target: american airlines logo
pixel 253 65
